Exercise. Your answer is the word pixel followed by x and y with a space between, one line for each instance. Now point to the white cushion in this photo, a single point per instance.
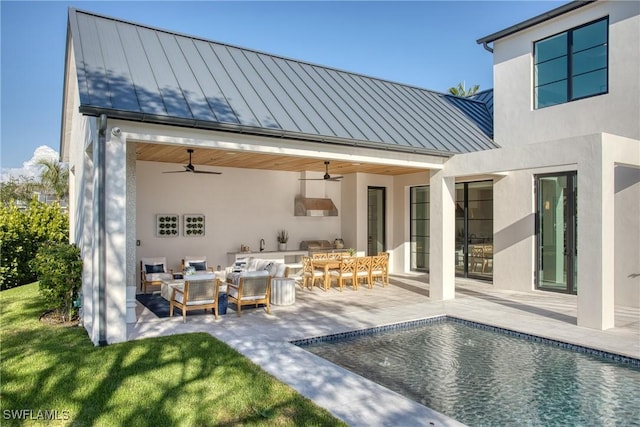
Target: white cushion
pixel 200 275
pixel 253 298
pixel 158 277
pixel 282 268
pixel 258 273
pixel 200 302
pixel 232 292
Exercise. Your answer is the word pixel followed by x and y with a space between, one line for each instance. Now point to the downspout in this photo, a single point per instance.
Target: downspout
pixel 486 47
pixel 102 250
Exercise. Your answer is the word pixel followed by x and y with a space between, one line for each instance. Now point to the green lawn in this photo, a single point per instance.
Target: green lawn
pixel 189 380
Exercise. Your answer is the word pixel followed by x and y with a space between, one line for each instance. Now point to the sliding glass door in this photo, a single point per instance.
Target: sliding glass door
pixel 376 235
pixel 556 234
pixel 474 229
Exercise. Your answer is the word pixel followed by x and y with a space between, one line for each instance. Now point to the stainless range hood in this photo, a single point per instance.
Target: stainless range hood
pixel 313 206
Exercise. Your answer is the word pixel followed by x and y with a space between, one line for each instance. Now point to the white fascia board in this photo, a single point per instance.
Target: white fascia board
pixel 158 134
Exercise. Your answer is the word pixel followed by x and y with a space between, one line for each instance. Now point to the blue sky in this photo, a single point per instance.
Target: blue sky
pixel 429 44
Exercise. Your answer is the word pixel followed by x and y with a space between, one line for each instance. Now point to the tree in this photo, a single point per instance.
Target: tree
pixel 18 190
pixel 460 90
pixel 54 178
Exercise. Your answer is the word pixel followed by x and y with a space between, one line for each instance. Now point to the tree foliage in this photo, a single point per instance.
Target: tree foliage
pixel 59 269
pixel 460 90
pixel 54 178
pixel 18 190
pixel 22 233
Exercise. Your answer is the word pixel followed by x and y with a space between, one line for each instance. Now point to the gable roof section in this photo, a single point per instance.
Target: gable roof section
pixel 486 97
pixel 133 72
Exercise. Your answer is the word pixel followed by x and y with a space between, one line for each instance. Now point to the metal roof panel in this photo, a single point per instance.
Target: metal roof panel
pixel 148 74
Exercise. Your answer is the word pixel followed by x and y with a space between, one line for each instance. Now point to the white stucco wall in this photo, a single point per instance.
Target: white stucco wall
pixel 514 210
pixel 627 236
pixel 516 122
pixel 241 206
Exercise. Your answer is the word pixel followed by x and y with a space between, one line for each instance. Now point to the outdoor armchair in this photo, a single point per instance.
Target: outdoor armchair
pixel 153 271
pixel 250 288
pixel 198 262
pixel 195 295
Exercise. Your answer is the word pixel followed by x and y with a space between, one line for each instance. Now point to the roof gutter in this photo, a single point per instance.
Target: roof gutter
pixel 486 47
pixel 102 234
pixel 484 41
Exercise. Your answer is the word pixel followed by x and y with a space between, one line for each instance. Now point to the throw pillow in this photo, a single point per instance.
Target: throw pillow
pixel 155 268
pixel 199 265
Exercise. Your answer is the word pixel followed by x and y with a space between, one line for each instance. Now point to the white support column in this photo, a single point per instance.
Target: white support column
pixel 132 283
pixel 596 241
pixel 116 244
pixel 442 237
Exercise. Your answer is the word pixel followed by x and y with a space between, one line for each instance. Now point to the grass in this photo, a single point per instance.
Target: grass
pixel 184 380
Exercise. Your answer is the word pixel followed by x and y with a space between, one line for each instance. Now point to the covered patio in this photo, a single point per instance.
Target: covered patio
pixel 265 338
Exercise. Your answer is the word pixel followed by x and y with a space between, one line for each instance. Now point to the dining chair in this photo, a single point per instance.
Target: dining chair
pixel 347 271
pixel 309 273
pixel 379 268
pixel 363 270
pixel 386 266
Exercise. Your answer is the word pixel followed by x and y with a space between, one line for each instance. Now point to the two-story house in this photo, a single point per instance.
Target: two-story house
pixel 532 186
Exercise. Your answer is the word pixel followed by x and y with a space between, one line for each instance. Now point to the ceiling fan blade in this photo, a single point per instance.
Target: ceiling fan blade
pixel 209 172
pixel 335 178
pixel 311 179
pixel 175 171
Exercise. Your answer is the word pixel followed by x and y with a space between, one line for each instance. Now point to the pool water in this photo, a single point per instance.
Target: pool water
pixel 485 378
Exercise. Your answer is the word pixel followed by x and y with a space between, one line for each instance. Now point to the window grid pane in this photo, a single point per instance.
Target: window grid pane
pixel 587 60
pixel 590 84
pixel 420 228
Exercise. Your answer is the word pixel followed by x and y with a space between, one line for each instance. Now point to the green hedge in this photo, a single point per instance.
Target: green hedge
pixel 22 233
pixel 59 269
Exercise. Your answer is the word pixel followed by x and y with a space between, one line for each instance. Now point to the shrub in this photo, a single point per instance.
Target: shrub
pixel 59 269
pixel 22 232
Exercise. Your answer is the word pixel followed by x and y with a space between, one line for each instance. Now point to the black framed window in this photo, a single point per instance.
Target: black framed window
pixel 420 216
pixel 572 65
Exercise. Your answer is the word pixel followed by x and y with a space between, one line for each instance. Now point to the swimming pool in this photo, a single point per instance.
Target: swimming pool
pixel 482 375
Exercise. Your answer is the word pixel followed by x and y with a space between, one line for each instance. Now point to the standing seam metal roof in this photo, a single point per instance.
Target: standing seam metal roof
pixel 134 72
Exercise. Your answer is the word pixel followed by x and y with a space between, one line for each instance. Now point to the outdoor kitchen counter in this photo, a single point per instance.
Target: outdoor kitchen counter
pixel 291 258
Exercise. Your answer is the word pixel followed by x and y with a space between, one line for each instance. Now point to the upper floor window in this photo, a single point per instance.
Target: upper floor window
pixel 572 65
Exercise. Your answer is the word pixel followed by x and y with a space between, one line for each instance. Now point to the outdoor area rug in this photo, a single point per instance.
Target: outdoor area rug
pixel 160 306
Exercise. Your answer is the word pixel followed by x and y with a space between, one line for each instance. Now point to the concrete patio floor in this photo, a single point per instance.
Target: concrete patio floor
pixel 265 338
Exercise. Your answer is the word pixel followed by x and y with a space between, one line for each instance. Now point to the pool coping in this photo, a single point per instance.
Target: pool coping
pixel 618 358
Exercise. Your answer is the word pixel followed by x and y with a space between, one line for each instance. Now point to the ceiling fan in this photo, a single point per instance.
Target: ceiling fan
pixel 326 176
pixel 191 168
